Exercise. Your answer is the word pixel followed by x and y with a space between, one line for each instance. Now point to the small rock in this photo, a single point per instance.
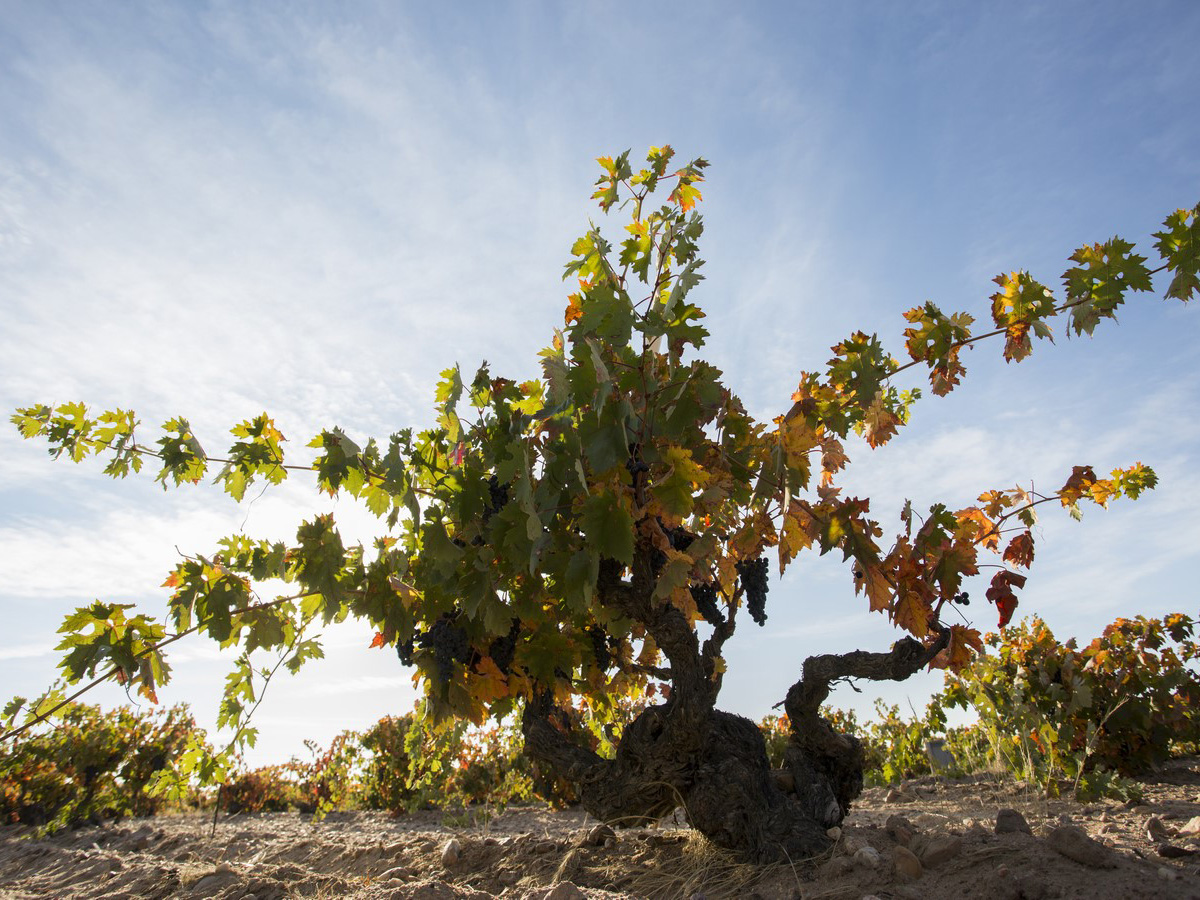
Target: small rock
pixel 1110 828
pixel 1002 871
pixel 835 832
pixel 223 867
pixel 1172 851
pixel 867 858
pixel 396 873
pixel 936 849
pixel 1192 826
pixel 899 829
pixel 451 853
pixel 599 835
pixel 1157 831
pixel 545 847
pixel 214 883
pixel 1073 843
pixel 1009 821
pixel 908 867
pixel 837 867
pixel 895 796
pixel 564 890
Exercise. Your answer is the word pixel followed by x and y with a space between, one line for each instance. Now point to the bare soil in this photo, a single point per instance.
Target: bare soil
pixel 948 828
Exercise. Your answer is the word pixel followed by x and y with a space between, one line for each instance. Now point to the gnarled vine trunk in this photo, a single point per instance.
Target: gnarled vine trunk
pixel 685 753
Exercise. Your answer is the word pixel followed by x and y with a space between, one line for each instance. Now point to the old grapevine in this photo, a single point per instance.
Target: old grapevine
pixel 598 529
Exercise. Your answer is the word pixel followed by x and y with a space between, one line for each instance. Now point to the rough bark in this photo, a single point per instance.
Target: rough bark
pixel 684 753
pixel 827 767
pixel 714 764
pixel 718 774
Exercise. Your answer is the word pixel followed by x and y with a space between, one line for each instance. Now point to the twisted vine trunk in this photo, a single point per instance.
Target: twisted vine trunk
pixel 685 753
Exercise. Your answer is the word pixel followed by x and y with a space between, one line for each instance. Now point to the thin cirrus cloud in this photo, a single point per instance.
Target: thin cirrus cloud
pixel 214 211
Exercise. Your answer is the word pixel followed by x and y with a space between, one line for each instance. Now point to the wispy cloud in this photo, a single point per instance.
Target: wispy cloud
pixel 214 211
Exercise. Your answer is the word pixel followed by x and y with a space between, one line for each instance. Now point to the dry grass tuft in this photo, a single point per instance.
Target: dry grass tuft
pixel 701 868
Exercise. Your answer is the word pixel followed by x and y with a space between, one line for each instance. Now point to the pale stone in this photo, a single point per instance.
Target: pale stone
pixel 936 849
pixel 564 890
pixel 867 857
pixel 899 829
pixel 908 867
pixel 1156 831
pixel 1192 826
pixel 599 835
pixel 1073 843
pixel 1009 821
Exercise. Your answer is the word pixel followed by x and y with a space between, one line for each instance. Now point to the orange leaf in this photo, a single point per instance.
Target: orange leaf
pixel 986 531
pixel 1081 480
pixel 874 581
pixel 491 684
pixel 963 641
pixel 377 641
pixel 911 613
pixel 574 311
pixel 995 502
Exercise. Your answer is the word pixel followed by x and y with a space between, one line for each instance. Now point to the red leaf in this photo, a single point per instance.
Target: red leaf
pixel 1020 550
pixel 1001 593
pixel 378 640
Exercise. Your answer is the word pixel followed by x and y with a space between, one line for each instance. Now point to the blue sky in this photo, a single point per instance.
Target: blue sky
pixel 213 210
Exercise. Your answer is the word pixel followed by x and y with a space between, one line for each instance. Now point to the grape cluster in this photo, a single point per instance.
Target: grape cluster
pixel 600 648
pixel 502 649
pixel 705 597
pixel 753 574
pixel 404 650
pixel 963 599
pixel 680 539
pixel 449 644
pixel 497 495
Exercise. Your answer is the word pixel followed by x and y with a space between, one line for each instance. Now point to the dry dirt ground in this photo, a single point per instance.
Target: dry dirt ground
pixel 931 839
